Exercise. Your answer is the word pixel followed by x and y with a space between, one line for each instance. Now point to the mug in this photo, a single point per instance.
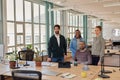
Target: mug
pixel 84 74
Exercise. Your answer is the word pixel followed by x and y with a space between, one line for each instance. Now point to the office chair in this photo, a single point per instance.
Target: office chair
pixel 26 55
pixel 26 75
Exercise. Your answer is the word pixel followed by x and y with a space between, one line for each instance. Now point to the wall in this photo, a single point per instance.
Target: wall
pixel 107 31
pixel 1 27
pixel 1 31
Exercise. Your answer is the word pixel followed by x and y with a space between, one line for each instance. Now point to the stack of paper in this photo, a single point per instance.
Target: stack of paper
pixel 48 64
pixel 68 75
pixel 50 73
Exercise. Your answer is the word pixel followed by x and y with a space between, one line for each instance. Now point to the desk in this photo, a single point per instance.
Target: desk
pixel 91 74
pixel 73 70
pixel 114 75
pixel 3 69
pixel 112 51
pixel 108 45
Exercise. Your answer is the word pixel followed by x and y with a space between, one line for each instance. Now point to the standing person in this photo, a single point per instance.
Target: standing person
pixel 74 44
pixel 83 55
pixel 57 47
pixel 98 46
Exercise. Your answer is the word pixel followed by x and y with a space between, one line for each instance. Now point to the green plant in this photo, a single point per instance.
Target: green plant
pixel 37 57
pixel 29 46
pixel 13 56
pixel 68 42
pixel 68 39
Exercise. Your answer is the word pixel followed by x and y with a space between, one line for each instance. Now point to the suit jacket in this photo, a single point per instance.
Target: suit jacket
pixel 57 51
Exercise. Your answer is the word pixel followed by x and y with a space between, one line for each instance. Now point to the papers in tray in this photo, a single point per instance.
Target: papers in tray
pixel 68 75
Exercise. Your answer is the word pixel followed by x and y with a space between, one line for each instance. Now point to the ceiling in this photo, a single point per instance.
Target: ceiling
pixel 108 10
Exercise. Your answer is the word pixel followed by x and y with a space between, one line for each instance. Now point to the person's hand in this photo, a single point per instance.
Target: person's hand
pixel 99 63
pixel 49 59
pixel 65 56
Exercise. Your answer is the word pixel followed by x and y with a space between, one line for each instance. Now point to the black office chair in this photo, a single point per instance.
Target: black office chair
pixel 26 75
pixel 26 55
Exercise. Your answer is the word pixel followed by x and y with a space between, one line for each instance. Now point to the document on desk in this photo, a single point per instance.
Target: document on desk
pixel 48 64
pixel 50 73
pixel 68 75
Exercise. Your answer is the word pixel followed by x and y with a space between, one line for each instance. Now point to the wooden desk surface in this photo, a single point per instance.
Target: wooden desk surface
pixel 115 75
pixel 4 68
pixel 91 74
pixel 73 70
pixel 112 51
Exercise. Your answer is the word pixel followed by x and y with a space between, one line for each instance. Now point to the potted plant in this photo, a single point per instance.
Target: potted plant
pixel 29 47
pixel 12 59
pixel 68 42
pixel 37 57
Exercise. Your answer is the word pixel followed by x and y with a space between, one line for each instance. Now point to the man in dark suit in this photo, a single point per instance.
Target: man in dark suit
pixel 57 47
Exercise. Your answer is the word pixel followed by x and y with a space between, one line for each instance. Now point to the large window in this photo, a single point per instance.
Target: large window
pixel 74 22
pixel 19 35
pixel 43 34
pixel 19 10
pixel 25 24
pixel 28 11
pixel 36 13
pixel 42 14
pixel 28 33
pixel 57 17
pixel 10 9
pixel 10 34
pixel 92 22
pixel 36 34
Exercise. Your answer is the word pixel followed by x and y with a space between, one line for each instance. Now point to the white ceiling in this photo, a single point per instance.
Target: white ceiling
pixel 94 7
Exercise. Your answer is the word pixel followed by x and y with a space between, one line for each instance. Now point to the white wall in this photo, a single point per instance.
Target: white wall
pixel 107 31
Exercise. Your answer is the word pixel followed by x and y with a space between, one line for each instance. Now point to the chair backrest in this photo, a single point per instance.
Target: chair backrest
pixel 26 55
pixel 26 75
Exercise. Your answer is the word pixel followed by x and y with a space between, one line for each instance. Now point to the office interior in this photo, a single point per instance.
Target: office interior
pixel 25 22
pixel 31 23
